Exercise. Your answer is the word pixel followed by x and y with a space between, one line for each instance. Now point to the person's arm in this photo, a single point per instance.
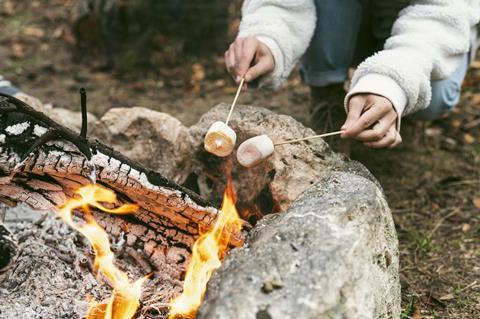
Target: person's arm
pixel 273 36
pixel 428 41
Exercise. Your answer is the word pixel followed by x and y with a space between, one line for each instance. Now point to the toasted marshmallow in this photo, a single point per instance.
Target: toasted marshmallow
pixel 255 150
pixel 220 139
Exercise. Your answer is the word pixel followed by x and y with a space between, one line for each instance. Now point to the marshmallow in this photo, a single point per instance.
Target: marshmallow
pixel 254 150
pixel 220 139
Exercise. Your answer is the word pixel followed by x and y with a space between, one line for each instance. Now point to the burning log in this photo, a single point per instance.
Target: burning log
pixel 42 163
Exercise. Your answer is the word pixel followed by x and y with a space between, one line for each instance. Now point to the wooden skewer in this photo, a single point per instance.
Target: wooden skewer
pixel 235 100
pixel 308 138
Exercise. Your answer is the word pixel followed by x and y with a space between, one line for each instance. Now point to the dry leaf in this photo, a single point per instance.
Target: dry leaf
pixel 8 8
pixel 198 72
pixel 476 202
pixel 18 50
pixel 57 33
pixel 220 83
pixel 69 38
pixel 34 32
pixel 476 98
pixel 417 314
pixel 468 138
pixel 447 297
pixel 456 123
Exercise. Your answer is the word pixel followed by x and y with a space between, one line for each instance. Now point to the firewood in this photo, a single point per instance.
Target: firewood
pixel 42 162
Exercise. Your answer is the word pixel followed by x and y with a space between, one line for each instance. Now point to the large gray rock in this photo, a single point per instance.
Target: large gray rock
pixel 155 139
pixel 333 254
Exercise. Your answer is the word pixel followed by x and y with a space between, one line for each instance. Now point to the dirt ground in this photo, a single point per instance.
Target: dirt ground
pixel 432 180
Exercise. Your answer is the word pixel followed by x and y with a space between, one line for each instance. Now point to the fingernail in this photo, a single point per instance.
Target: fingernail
pixel 247 77
pixel 237 78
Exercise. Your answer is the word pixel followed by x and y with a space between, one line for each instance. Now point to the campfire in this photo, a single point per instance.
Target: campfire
pixel 323 240
pixel 168 213
pixel 207 252
pixel 125 298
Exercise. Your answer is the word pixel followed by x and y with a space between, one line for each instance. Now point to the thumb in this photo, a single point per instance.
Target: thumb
pixel 355 107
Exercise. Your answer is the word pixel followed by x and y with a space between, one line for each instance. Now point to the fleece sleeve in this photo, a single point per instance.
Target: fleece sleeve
pixel 285 27
pixel 428 42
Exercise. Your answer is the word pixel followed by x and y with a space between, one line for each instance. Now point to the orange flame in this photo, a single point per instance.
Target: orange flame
pixel 207 252
pixel 125 299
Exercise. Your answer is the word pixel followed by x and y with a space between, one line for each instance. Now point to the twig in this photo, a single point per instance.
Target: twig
pixel 308 138
pixel 440 222
pixel 83 104
pixel 468 287
pixel 235 100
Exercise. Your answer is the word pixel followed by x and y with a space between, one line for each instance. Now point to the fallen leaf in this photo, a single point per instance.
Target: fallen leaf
pixel 466 227
pixel 101 77
pixel 8 8
pixel 34 32
pixel 456 123
pixel 220 83
pixel 18 50
pixel 468 138
pixel 198 72
pixel 447 297
pixel 417 314
pixel 68 37
pixel 57 33
pixel 476 202
pixel 476 98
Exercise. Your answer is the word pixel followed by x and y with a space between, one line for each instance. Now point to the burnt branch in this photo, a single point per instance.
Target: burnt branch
pixel 83 105
pixel 42 163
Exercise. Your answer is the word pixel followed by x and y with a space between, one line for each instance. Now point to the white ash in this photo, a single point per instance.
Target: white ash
pixel 2 138
pixel 17 129
pixel 39 130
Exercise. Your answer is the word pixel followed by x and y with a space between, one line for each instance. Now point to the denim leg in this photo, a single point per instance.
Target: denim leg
pixel 333 44
pixel 7 88
pixel 445 94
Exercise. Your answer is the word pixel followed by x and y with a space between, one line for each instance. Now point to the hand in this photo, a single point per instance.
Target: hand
pixel 372 119
pixel 240 55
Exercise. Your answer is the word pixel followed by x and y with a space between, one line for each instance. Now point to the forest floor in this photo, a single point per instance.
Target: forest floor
pixel 432 180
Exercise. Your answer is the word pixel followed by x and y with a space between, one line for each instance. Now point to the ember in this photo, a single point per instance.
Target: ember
pixel 207 253
pixel 125 298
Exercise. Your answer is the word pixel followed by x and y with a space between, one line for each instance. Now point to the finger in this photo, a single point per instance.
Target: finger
pixel 367 119
pixel 230 61
pixel 379 130
pixel 398 141
pixel 263 66
pixel 249 48
pixel 386 141
pixel 355 108
pixel 237 49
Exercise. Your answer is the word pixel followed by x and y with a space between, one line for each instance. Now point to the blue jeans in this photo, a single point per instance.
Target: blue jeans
pixel 349 31
pixel 6 87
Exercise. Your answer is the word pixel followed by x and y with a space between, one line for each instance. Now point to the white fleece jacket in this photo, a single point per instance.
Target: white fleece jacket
pixel 428 40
